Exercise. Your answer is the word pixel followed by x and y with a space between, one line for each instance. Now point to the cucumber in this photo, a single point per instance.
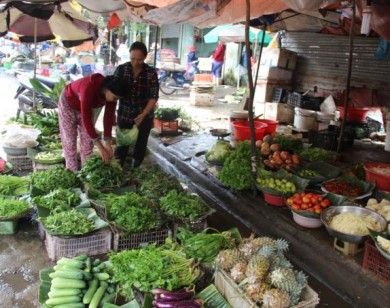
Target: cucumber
pixel 88 265
pixel 97 297
pixel 101 276
pixel 63 300
pixel 63 292
pixel 87 276
pixel 80 258
pixel 96 262
pixel 107 298
pixel 95 270
pixel 67 274
pixel 72 305
pixel 61 267
pixel 71 262
pixel 93 286
pixel 64 283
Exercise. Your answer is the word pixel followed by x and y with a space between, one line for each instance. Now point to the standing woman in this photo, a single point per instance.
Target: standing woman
pixel 137 108
pixel 218 58
pixel 78 109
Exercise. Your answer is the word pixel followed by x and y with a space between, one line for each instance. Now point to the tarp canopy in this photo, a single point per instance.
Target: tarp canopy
pixel 234 33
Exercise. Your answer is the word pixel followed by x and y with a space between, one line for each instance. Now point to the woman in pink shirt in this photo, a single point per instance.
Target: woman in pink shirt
pixel 78 108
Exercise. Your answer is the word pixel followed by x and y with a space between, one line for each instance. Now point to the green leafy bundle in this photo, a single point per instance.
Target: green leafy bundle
pixel 153 267
pixel 132 212
pixel 237 170
pixel 98 175
pixel 289 144
pixel 14 185
pixel 70 222
pixel 183 205
pixel 10 208
pixel 54 178
pixel 219 152
pixel 167 114
pixel 60 199
pixel 316 154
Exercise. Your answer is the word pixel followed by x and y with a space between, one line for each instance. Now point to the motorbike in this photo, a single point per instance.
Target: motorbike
pixel 173 77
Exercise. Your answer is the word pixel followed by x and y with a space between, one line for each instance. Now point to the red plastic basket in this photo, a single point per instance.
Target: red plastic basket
pixel 271 128
pixel 274 200
pixel 382 181
pixel 374 261
pixel 354 115
pixel 242 130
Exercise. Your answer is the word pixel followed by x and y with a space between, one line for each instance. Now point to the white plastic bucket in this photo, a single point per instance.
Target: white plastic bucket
pixel 304 119
pixel 324 119
pixel 241 115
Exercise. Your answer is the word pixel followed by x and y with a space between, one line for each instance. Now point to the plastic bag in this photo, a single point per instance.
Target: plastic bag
pixel 127 137
pixel 18 136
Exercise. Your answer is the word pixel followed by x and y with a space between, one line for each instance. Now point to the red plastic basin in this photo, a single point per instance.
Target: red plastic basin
pixel 274 200
pixel 381 180
pixel 271 128
pixel 354 115
pixel 242 130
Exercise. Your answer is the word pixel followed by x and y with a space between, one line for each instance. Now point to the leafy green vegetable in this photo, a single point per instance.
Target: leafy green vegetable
pixel 183 205
pixel 14 185
pixel 98 175
pixel 54 93
pixel 132 212
pixel 10 208
pixel 237 170
pixel 70 222
pixel 54 178
pixel 316 154
pixel 219 152
pixel 151 267
pixel 167 114
pixel 289 143
pixel 60 199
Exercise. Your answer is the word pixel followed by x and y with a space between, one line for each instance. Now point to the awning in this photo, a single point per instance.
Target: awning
pixel 234 33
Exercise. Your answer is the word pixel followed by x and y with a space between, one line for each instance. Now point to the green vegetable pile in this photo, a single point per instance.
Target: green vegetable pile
pixel 183 205
pixel 14 185
pixel 60 199
pixel 70 222
pixel 99 175
pixel 237 171
pixel 167 114
pixel 307 173
pixel 54 178
pixel 219 152
pixel 289 144
pixel 132 212
pixel 153 267
pixel 316 154
pixel 155 182
pixel 204 247
pixel 10 208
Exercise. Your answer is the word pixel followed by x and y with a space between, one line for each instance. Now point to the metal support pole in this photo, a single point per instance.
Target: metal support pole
pixel 35 61
pixel 347 90
pixel 155 49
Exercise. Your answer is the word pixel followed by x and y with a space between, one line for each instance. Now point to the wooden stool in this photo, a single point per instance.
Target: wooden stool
pixel 348 249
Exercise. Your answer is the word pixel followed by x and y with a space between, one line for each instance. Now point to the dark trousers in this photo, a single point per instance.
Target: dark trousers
pixel 140 146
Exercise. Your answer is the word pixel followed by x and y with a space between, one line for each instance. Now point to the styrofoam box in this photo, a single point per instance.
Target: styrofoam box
pixel 201 99
pixel 283 113
pixel 275 73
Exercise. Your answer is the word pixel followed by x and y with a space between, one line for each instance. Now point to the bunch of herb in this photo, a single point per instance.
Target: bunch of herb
pixel 237 170
pixel 14 185
pixel 183 205
pixel 167 114
pixel 60 199
pixel 98 175
pixel 289 144
pixel 316 154
pixel 152 267
pixel 158 185
pixel 10 208
pixel 70 222
pixel 132 212
pixel 55 178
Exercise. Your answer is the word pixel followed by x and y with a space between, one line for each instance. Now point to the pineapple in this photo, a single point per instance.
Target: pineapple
pixel 226 259
pixel 251 245
pixel 256 291
pixel 281 245
pixel 257 268
pixel 279 260
pixel 238 272
pixel 276 298
pixel 284 278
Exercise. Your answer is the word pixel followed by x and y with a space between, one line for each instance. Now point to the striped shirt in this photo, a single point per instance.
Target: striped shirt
pixel 141 89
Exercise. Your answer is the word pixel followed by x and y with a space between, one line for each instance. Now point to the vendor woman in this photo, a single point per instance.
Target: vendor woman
pixel 78 109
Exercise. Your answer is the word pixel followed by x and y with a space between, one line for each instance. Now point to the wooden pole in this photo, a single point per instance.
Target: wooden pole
pixel 35 62
pixel 349 73
pixel 155 49
pixel 251 93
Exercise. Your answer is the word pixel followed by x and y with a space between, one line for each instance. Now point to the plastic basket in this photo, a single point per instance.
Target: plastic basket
pixel 93 244
pixel 278 95
pixel 373 126
pixel 21 164
pixel 375 262
pixel 304 101
pixel 166 126
pixel 8 227
pixel 41 232
pixel 328 140
pixel 271 125
pixel 123 240
pixel 242 131
pixel 99 208
pixel 195 226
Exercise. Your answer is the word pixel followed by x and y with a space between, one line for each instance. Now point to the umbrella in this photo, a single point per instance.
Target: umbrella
pixel 234 33
pixel 48 20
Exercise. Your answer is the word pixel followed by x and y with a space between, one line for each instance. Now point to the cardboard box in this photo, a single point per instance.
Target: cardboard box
pixel 275 73
pixel 203 78
pixel 205 64
pixel 201 99
pixel 279 112
pixel 279 57
pixel 265 89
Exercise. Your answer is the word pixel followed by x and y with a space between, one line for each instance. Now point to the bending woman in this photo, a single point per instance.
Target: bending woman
pixel 78 109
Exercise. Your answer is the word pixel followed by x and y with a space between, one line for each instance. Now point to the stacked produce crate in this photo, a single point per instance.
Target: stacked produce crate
pixel 202 90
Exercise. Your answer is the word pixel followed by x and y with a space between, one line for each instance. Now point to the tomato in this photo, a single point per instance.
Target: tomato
pixel 310 209
pixel 305 199
pixel 295 206
pixel 317 207
pixel 314 200
pixel 317 211
pixel 298 200
pixel 290 201
pixel 309 195
pixel 304 206
pixel 325 203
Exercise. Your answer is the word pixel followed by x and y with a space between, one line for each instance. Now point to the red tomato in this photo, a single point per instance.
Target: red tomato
pixel 325 203
pixel 295 207
pixel 290 201
pixel 314 200
pixel 304 206
pixel 298 200
pixel 305 199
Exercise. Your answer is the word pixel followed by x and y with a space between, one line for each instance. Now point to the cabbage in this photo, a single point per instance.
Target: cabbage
pixel 219 152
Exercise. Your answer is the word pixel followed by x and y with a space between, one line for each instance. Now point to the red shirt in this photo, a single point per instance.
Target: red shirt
pixel 219 53
pixel 85 95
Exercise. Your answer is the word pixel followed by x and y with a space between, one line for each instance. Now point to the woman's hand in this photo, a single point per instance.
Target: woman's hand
pixel 138 120
pixel 108 146
pixel 104 153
